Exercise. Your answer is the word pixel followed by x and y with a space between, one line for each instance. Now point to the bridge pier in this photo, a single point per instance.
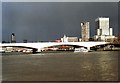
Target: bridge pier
pixel 39 50
pixel 34 51
pixel 88 48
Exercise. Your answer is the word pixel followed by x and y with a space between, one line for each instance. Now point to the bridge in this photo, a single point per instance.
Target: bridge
pixel 40 45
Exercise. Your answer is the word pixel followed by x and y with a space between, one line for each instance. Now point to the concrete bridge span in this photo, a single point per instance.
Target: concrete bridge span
pixel 41 45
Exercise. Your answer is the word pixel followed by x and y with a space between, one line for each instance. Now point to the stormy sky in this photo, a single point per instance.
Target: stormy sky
pixel 45 21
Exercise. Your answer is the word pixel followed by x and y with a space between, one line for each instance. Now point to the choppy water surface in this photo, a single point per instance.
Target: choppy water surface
pixel 92 66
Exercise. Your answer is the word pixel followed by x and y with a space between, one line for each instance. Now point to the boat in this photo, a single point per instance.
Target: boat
pixel 27 51
pixel 82 49
pixel 2 51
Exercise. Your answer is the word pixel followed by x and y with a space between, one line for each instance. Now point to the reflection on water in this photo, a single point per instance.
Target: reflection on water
pixel 107 65
pixel 92 66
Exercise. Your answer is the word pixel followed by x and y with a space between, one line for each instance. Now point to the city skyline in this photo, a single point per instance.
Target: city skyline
pixel 50 21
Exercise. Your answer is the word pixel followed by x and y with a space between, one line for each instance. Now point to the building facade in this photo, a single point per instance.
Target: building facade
pixel 102 26
pixel 69 39
pixel 103 30
pixel 13 40
pixel 85 31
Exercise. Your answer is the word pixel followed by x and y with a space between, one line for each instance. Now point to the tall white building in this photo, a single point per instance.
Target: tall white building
pixel 103 30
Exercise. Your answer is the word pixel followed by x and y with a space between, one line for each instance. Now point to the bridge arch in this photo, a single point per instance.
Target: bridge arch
pixel 33 49
pixel 68 47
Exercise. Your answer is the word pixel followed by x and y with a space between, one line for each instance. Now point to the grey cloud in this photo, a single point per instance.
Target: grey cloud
pixel 49 21
pixel 60 0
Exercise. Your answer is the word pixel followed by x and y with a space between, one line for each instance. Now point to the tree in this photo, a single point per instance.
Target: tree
pixel 24 41
pixel 91 39
pixel 3 41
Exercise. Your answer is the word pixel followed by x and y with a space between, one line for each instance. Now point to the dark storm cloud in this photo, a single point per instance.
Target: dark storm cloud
pixel 61 0
pixel 49 21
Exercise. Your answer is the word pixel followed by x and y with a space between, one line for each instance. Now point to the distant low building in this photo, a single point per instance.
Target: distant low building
pixel 103 38
pixel 69 39
pixel 58 40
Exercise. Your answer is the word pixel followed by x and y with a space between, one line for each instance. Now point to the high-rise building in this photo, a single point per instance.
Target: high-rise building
pixel 85 31
pixel 103 30
pixel 13 40
pixel 102 26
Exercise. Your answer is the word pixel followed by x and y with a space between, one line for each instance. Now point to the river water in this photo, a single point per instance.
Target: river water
pixel 66 66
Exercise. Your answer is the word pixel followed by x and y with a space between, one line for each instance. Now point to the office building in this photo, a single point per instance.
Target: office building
pixel 85 31
pixel 102 26
pixel 103 30
pixel 13 40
